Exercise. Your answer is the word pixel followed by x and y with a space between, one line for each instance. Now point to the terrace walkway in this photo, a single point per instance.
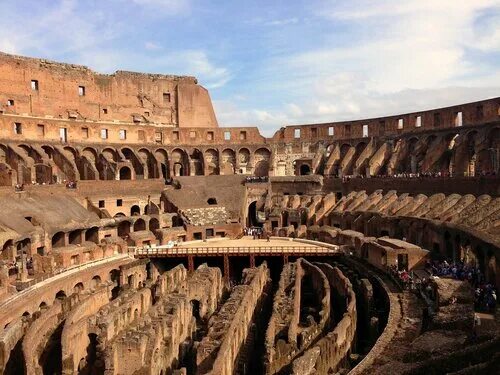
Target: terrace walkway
pixel 244 246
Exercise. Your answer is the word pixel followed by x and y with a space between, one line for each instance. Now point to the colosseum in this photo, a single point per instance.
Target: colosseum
pixel 139 237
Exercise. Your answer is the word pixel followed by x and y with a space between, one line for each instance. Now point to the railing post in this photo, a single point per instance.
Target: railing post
pixel 226 268
pixel 190 263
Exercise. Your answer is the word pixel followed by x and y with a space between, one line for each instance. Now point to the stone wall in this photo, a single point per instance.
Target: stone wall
pixel 293 327
pixel 75 335
pixel 45 88
pixel 152 343
pixel 227 330
pixel 332 350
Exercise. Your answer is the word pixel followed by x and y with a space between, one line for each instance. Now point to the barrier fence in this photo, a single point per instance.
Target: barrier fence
pixel 235 250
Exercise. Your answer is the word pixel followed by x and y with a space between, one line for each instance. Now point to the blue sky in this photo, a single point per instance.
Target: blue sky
pixel 273 63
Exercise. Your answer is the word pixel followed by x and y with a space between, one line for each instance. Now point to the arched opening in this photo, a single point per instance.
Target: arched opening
pixel 135 210
pixel 212 201
pixel 180 164
pixel 154 224
pixel 58 240
pixel 211 162
pixel 125 173
pixel 92 235
pixel 60 295
pixel 228 162
pixel 78 288
pixel 114 277
pixel 139 225
pixel 16 363
pixel 90 364
pixel 42 306
pixel 95 282
pixel 75 237
pixel 305 169
pixel 151 209
pixel 123 229
pixel 262 157
pixel 253 220
pixel 197 162
pixel 162 158
pixel 243 159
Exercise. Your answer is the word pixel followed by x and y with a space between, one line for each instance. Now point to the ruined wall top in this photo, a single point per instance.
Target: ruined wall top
pixel 44 88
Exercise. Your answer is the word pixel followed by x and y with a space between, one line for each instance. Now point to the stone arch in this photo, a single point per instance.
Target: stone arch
pixel 135 163
pixel 487 158
pixel 197 164
pixel 151 209
pixel 92 235
pixel 244 159
pixel 154 224
pixel 60 295
pixel 180 163
pixel 95 282
pixel 139 225
pixel 150 162
pixel 43 174
pixel 124 229
pixel 78 288
pixel 75 237
pixel 87 164
pixel 211 162
pixel 161 157
pixel 107 164
pixel 8 174
pixel 125 173
pixel 228 162
pixel 465 154
pixel 59 240
pixel 409 164
pixel 262 157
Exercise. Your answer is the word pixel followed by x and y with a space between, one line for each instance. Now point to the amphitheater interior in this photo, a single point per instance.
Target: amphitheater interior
pixel 139 237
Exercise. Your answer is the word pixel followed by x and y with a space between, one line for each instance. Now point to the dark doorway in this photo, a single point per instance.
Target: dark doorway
pixel 125 173
pixel 252 215
pixel 305 170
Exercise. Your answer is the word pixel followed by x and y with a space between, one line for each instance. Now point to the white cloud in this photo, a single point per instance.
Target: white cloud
pixel 282 22
pixel 197 63
pixel 152 46
pixel 170 7
pixel 401 57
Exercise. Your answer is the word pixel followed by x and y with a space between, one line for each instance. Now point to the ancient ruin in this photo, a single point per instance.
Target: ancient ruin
pixel 139 237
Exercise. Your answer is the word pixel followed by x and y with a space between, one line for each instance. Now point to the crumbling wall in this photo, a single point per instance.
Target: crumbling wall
pixel 229 328
pixel 277 344
pixel 152 343
pixel 333 349
pixel 74 338
pixel 37 336
pixel 289 333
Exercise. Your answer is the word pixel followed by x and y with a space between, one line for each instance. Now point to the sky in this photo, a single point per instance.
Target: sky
pixel 271 63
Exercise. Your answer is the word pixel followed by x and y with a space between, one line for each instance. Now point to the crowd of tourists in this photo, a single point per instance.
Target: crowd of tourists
pixel 404 278
pixel 256 233
pixel 485 293
pixel 419 175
